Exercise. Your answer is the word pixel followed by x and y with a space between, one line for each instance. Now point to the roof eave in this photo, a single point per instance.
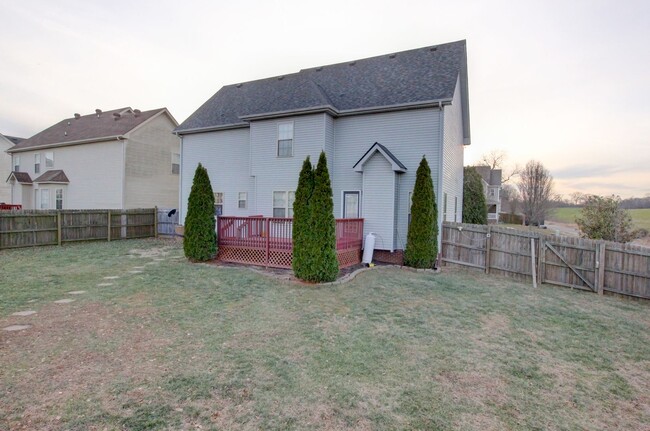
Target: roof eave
pixel 180 132
pixel 65 144
pixel 303 111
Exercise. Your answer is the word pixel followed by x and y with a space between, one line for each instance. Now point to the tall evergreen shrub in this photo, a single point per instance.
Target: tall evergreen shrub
pixel 301 221
pixel 200 242
pixel 321 239
pixel 474 203
pixel 422 239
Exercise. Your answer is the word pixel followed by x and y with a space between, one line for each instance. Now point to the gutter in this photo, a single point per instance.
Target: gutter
pixel 65 144
pixel 319 109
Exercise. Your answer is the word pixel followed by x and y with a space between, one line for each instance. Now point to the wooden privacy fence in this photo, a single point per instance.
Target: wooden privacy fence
pixel 579 263
pixel 27 228
pixel 267 241
pixel 167 221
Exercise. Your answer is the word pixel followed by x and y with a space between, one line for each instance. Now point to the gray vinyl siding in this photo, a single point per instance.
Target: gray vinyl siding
pixel 273 173
pixel 379 201
pixel 408 135
pixel 225 154
pixel 453 151
pixel 330 142
pixel 5 169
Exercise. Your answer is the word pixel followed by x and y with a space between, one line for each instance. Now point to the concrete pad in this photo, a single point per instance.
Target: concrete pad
pixel 77 292
pixel 104 284
pixel 16 327
pixel 24 313
pixel 64 301
pixel 112 277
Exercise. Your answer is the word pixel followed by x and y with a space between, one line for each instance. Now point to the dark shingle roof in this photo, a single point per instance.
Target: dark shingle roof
pixel 13 139
pixel 53 176
pixel 366 156
pixel 409 77
pixel 87 128
pixel 21 177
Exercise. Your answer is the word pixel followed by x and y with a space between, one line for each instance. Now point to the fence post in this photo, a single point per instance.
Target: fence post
pixel 268 242
pixel 600 267
pixel 532 261
pixel 540 263
pixel 109 226
pixel 58 226
pixel 488 240
pixel 155 222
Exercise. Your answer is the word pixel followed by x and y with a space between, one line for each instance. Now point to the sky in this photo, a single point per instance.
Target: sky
pixel 565 83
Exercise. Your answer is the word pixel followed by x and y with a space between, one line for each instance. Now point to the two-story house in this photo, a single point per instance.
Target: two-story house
pixel 374 118
pixel 6 142
pixel 119 159
pixel 491 179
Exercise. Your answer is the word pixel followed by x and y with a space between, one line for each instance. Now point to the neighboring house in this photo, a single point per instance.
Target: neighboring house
pixel 6 142
pixel 492 188
pixel 118 159
pixel 375 118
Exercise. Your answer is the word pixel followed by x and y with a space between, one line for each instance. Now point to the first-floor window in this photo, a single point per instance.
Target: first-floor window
pixel 283 203
pixel 350 204
pixel 218 203
pixel 410 203
pixel 444 207
pixel 45 199
pixel 242 198
pixel 59 199
pixel 456 208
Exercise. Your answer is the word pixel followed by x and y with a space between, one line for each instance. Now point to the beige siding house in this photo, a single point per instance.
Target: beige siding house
pixel 117 159
pixel 6 143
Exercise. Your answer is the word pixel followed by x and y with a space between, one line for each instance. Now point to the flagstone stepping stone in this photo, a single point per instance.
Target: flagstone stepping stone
pixel 104 284
pixel 158 259
pixel 138 267
pixel 112 277
pixel 152 263
pixel 24 313
pixel 16 327
pixel 64 301
pixel 135 271
pixel 77 292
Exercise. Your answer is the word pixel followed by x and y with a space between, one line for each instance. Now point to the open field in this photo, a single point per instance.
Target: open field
pixel 640 217
pixel 174 345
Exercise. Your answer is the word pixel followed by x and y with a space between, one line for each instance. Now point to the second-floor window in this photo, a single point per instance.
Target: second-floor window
pixel 242 198
pixel 49 160
pixel 176 163
pixel 285 140
pixel 17 163
pixel 37 163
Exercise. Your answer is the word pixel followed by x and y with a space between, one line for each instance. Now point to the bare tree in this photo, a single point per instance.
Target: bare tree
pixel 496 159
pixel 536 188
pixel 510 198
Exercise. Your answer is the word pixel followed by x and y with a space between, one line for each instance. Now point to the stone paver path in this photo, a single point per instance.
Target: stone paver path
pixel 64 301
pixel 16 327
pixel 24 313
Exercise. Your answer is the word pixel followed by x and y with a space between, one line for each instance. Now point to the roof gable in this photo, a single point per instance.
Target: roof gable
pixel 413 77
pixel 396 165
pixel 88 128
pixel 53 176
pixel 20 177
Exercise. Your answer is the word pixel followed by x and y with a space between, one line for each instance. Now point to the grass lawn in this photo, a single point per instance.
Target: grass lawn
pixel 183 346
pixel 640 217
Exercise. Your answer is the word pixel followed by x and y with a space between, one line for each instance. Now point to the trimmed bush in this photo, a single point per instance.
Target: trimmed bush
pixel 301 221
pixel 200 241
pixel 422 239
pixel 474 203
pixel 320 241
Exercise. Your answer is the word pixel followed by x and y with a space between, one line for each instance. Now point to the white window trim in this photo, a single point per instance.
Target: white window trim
pixel 343 192
pixel 286 206
pixel 239 200
pixel 277 139
pixel 56 198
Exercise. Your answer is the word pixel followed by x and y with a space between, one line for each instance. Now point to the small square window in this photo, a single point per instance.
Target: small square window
pixel 243 197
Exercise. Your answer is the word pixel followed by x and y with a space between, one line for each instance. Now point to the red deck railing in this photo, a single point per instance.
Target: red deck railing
pixel 10 207
pixel 267 241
